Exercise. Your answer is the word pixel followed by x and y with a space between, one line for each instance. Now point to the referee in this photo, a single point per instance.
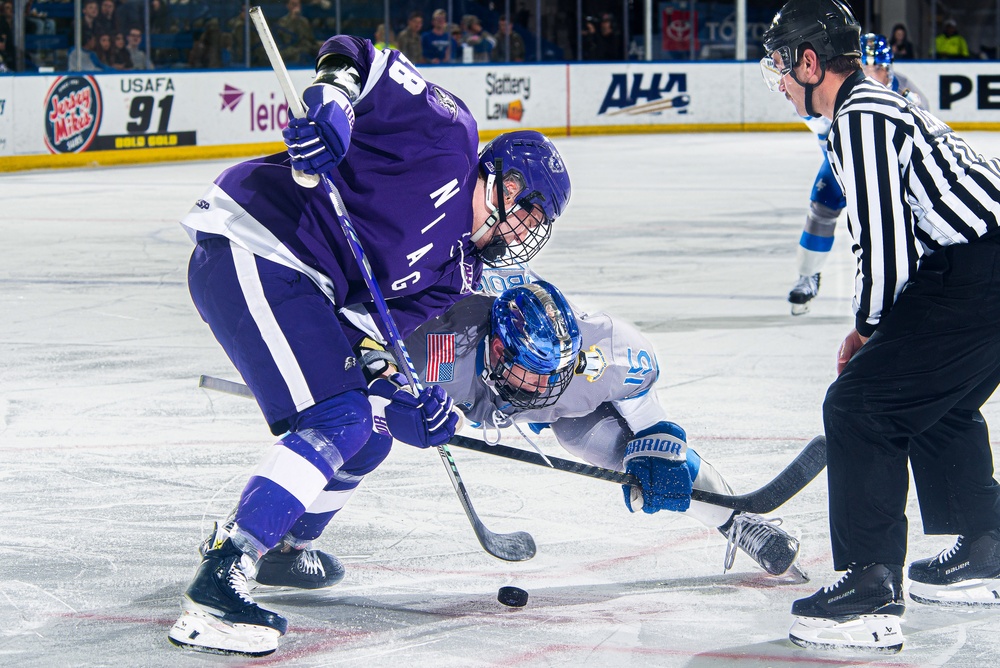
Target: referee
pixel 924 356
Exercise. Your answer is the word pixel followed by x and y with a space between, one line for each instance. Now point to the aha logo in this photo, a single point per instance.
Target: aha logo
pixel 72 114
pixel 265 116
pixel 624 99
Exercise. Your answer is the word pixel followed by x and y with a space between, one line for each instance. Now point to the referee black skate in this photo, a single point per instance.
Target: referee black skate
pixel 924 356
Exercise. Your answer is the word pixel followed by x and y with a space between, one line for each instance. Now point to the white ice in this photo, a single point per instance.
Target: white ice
pixel 114 464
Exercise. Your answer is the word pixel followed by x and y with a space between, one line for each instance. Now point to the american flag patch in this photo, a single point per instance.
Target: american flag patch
pixel 440 358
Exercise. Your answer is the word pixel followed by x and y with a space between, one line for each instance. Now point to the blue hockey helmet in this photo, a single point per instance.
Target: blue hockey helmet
pixel 875 50
pixel 541 342
pixel 525 168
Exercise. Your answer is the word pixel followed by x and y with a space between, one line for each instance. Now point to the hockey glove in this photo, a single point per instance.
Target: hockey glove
pixel 658 458
pixel 424 420
pixel 318 142
pixel 375 360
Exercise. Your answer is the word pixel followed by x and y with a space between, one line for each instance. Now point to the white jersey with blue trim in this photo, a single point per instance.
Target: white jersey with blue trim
pixel 616 365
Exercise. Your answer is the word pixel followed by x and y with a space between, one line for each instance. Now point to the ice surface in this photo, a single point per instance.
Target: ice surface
pixel 113 463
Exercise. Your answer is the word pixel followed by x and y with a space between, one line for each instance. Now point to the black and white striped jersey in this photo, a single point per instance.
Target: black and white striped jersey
pixel 912 186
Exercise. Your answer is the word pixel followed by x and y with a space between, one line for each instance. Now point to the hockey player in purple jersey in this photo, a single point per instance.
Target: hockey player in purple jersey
pixel 274 278
pixel 526 359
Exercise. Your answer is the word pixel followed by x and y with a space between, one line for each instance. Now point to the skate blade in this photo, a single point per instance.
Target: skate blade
pixel 794 575
pixel 800 309
pixel 869 633
pixel 202 632
pixel 969 594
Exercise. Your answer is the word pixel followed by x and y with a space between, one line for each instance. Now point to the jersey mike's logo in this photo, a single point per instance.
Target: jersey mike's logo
pixel 72 114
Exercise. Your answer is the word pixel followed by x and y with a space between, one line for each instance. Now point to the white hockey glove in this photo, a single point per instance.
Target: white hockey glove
pixel 658 458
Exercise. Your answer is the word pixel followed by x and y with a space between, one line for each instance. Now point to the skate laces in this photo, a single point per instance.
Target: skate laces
pixel 950 552
pixel 751 533
pixel 237 578
pixel 843 578
pixel 310 563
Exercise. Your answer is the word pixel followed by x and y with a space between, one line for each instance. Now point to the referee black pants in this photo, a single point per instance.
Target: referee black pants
pixel 914 391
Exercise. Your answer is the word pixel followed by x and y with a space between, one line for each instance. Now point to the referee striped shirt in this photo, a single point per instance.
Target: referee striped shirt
pixel 912 186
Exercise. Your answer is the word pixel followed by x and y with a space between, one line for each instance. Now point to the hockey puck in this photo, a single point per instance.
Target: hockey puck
pixel 512 597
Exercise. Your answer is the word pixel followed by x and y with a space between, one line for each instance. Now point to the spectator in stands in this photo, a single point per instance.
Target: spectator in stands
pixel 601 41
pixel 437 43
pixel 106 21
pixel 481 42
pixel 294 36
pixel 206 52
pixel 91 10
pixel 409 38
pixel 103 49
pixel 6 38
pixel 133 43
pixel 120 58
pixel 506 35
pixel 162 23
pixel 380 41
pixel 37 23
pixel 87 60
pixel 902 49
pixel 950 45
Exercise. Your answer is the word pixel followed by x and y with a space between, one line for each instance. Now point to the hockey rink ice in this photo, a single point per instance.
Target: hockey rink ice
pixel 114 463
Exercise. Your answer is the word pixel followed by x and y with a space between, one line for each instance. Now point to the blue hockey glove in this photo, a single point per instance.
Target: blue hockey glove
pixel 658 458
pixel 318 142
pixel 424 420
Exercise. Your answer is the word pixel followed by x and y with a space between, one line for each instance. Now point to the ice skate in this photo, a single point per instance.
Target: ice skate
pixel 218 613
pixel 861 611
pixel 967 574
pixel 765 542
pixel 802 293
pixel 302 568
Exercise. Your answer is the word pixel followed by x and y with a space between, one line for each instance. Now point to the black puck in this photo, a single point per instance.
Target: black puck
pixel 513 597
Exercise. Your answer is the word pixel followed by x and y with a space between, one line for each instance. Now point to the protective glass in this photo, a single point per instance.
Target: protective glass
pixel 773 74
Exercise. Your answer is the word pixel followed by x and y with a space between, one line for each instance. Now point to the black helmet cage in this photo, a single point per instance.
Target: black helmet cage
pixel 827 26
pixel 533 227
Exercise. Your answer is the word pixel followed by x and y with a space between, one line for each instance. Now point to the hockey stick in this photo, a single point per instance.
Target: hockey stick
pixel 518 546
pixel 799 473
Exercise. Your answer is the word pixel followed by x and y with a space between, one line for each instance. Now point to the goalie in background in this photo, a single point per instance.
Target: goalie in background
pixel 525 359
pixel 274 277
pixel 826 199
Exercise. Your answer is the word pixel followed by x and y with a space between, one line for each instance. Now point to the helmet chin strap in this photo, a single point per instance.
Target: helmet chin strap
pixel 809 90
pixel 495 213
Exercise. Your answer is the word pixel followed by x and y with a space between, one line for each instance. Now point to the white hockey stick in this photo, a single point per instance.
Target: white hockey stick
pixel 517 546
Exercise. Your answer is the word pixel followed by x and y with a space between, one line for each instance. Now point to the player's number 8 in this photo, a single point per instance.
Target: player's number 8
pixel 410 80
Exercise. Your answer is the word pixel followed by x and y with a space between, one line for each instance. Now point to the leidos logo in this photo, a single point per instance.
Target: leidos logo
pixel 265 116
pixel 625 99
pixel 72 114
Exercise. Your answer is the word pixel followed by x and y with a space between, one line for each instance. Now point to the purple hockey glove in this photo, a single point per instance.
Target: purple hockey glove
pixel 424 420
pixel 658 458
pixel 318 142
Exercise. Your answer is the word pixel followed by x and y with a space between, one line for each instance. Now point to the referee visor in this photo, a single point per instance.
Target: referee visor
pixel 774 73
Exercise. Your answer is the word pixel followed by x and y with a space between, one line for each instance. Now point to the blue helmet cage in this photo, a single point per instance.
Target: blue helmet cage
pixel 875 50
pixel 542 189
pixel 541 342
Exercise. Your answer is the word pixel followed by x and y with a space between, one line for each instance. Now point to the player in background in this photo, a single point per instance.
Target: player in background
pixel 526 359
pixel 274 277
pixel 826 200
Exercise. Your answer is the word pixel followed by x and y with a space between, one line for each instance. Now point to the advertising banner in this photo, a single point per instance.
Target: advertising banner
pixel 6 115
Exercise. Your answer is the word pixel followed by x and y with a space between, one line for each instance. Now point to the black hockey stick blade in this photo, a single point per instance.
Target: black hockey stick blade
pixel 799 473
pixel 517 546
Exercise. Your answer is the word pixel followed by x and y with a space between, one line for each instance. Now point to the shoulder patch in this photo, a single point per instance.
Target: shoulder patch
pixel 440 358
pixel 594 364
pixel 443 98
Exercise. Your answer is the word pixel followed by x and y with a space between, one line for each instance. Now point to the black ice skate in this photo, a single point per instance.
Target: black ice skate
pixel 219 614
pixel 967 574
pixel 862 610
pixel 802 293
pixel 286 566
pixel 764 541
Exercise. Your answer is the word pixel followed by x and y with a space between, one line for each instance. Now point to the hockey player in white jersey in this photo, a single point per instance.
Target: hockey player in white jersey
pixel 525 359
pixel 826 200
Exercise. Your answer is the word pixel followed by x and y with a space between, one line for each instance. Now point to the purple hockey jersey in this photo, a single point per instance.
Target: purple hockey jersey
pixel 407 182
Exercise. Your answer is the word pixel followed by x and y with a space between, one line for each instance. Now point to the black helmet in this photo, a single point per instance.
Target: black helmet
pixel 828 26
